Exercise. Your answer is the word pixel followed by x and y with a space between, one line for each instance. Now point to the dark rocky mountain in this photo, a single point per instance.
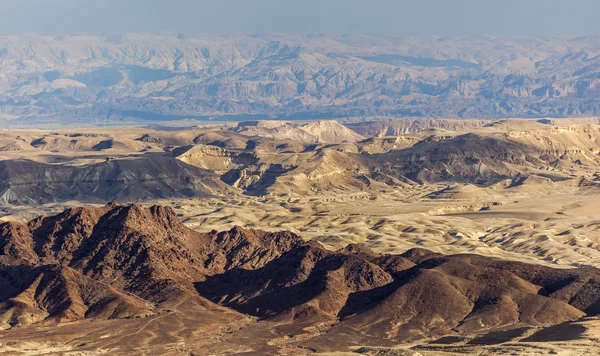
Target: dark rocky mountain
pixel 118 261
pixel 167 77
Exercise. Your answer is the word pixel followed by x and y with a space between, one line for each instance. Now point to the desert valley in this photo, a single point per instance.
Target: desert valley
pixel 387 237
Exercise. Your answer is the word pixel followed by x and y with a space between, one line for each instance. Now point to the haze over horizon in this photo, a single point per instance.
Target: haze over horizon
pixel 460 17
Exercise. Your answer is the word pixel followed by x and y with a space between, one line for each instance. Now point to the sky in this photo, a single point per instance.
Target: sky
pixel 404 17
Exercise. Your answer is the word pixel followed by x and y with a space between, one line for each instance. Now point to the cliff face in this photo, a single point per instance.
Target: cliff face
pixel 162 77
pixel 25 182
pixel 398 127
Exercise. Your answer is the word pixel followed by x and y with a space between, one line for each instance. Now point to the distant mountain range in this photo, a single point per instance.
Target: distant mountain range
pixel 150 77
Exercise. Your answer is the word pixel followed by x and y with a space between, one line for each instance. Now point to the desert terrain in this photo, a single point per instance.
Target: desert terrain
pixel 391 237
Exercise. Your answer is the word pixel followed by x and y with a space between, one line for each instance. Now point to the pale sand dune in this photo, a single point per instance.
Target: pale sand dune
pixel 540 230
pixel 560 229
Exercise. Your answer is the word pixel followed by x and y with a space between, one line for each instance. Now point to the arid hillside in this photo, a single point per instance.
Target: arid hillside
pixel 131 266
pixel 277 158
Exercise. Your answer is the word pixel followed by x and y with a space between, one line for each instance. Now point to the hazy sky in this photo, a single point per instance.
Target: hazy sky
pixel 494 17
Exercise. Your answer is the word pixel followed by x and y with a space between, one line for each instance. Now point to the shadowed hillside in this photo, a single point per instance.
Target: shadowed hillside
pixel 116 262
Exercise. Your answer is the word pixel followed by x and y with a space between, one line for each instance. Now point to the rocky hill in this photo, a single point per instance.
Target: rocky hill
pixel 271 159
pixel 93 78
pixel 116 262
pixel 313 132
pixel 504 150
